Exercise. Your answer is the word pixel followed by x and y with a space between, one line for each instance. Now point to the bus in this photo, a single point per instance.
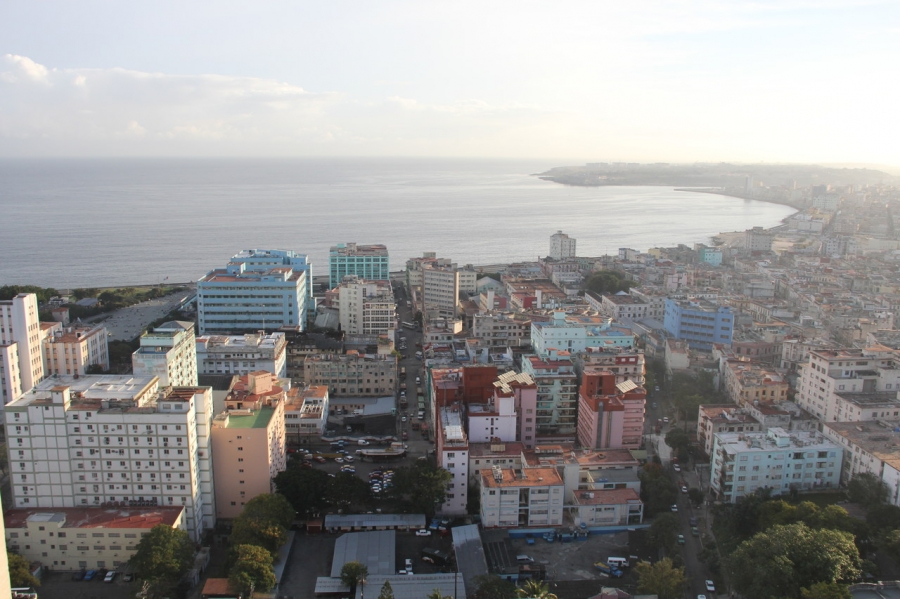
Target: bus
pixel 408 325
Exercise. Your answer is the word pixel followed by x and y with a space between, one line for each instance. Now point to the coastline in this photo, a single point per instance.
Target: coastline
pixel 735 194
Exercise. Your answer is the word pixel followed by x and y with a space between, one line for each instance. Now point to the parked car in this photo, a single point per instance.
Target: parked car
pixel 90 574
pixel 110 576
pixel 79 575
pixel 693 521
pixel 319 459
pixel 128 577
pixel 423 533
pixel 674 507
pixel 710 586
pixel 339 460
pixel 681 539
pixel 684 489
pixel 362 442
pixel 695 531
pixel 676 467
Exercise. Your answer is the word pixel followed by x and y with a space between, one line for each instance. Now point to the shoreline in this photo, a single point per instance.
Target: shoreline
pixel 734 194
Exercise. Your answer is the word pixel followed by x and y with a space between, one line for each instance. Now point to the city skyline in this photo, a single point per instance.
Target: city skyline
pixel 650 81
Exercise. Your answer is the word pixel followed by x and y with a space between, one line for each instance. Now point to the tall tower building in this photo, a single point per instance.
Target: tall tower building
pixel 21 360
pixel 562 246
pixel 369 262
pixel 170 353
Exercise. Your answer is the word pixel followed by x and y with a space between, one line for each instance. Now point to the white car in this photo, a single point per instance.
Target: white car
pixel 676 467
pixel 684 489
pixel 423 533
pixel 339 460
pixel 710 586
pixel 362 442
pixel 674 507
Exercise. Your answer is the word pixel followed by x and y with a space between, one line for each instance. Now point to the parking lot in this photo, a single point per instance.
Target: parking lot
pixel 59 585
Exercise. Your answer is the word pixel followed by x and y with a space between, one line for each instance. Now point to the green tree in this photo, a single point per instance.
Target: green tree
pixel 489 586
pixel 421 486
pixel 608 281
pixel 662 579
pixel 304 488
pixel 20 572
pixel 867 490
pixel 263 522
pixel 252 569
pixel 695 495
pixel 386 591
pixel 437 594
pixel 678 440
pixel 663 530
pixel 657 489
pixel 536 589
pixel 826 590
pixel 352 573
pixel 163 557
pixel 346 489
pixel 7 292
pixel 782 560
pixel 4 457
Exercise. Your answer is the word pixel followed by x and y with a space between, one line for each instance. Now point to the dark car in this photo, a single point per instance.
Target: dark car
pixel 101 573
pixel 79 575
pixel 128 577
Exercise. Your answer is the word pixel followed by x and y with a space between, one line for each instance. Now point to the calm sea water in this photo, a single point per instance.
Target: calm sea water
pixel 81 223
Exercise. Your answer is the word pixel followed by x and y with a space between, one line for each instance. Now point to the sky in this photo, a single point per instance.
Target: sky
pixel 637 80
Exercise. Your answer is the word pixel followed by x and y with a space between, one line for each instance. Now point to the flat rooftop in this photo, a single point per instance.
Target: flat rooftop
pixel 258 419
pixel 72 517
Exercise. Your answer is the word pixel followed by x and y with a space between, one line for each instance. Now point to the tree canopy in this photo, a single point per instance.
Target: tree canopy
pixel 662 579
pixel 304 488
pixel 352 573
pixel 163 557
pixel 263 522
pixel 421 487
pixel 20 572
pixel 535 589
pixel 782 560
pixel 252 569
pixel 387 592
pixel 490 586
pixel 867 489
pixel 657 489
pixel 608 281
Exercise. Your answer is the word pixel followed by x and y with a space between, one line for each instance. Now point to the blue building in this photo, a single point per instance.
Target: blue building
pixel 368 262
pixel 699 322
pixel 258 290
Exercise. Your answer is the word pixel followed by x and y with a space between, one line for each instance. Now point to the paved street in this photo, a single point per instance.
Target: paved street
pixel 128 323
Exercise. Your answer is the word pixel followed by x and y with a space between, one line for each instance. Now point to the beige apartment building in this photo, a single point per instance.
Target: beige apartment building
pixel 306 415
pixel 84 538
pixel 440 291
pixel 72 349
pixel 353 374
pixel 248 440
pixel 366 307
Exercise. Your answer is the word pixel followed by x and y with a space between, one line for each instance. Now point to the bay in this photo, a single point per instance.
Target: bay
pixel 88 223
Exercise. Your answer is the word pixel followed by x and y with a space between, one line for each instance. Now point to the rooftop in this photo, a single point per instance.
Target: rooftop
pixel 527 477
pixel 72 517
pixel 247 419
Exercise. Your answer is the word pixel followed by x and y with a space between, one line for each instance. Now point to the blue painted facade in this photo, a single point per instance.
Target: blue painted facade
pixel 699 322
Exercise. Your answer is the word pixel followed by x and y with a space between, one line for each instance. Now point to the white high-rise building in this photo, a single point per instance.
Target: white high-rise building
pixel 113 440
pixel 562 246
pixel 366 307
pixel 242 354
pixel 168 352
pixel 440 290
pixel 21 361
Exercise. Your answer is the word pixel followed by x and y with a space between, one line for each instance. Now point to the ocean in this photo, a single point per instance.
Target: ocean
pixel 70 223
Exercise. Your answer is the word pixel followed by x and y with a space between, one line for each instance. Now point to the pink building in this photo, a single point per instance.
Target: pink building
pixel 610 415
pixel 248 442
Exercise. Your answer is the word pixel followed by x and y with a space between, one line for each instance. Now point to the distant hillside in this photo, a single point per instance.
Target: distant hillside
pixel 722 175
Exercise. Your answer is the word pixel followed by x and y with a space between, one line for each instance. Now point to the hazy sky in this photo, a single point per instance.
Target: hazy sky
pixel 779 80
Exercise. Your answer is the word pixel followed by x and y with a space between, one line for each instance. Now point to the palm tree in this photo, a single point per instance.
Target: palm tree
pixel 535 589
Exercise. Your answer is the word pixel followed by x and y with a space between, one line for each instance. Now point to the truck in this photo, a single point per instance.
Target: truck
pixel 608 570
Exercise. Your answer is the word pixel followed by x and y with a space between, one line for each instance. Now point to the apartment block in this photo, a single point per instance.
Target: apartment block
pixel 242 354
pixel 63 539
pixel 723 418
pixel 619 507
pixel 842 385
pixel 501 329
pixel 778 460
pixel 257 290
pixel 562 246
pixel 870 448
pixel 509 415
pixel 306 415
pixel 353 374
pixel 557 396
pixel 747 382
pixel 93 440
pixel 576 334
pixel 527 497
pixel 73 349
pixel 168 352
pixel 415 266
pixel 366 307
pixel 369 262
pixel 248 441
pixel 302 345
pixel 699 322
pixel 440 290
pixel 452 451
pixel 625 364
pixel 618 306
pixel 22 365
pixel 610 415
